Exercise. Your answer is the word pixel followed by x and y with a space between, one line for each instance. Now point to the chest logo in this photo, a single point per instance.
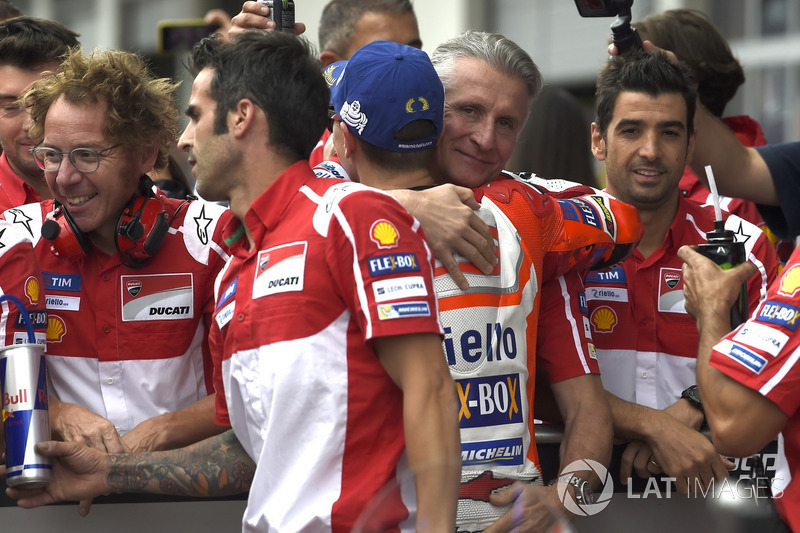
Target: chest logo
pixel 604 319
pixel 280 269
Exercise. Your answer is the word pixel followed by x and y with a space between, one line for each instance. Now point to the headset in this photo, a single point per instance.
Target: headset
pixel 142 226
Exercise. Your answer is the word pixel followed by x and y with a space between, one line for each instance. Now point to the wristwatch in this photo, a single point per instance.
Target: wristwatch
pixel 692 395
pixel 583 490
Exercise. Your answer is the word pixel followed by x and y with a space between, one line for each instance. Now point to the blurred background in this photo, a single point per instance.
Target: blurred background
pixel 569 49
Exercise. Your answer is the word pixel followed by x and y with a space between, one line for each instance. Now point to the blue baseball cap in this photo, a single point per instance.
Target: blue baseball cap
pixel 333 72
pixel 384 86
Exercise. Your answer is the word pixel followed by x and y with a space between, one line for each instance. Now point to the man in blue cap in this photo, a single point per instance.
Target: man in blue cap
pixel 389 104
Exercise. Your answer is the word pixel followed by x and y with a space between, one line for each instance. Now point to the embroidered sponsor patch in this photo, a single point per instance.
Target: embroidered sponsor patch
pixel 280 269
pixel 615 275
pixel 22 338
pixel 61 282
pixel 224 315
pixel 38 320
pixel 592 351
pixel 584 306
pixel 157 297
pixel 610 294
pixel 670 291
pixel 397 288
pixel 500 452
pixel 228 294
pixel 56 328
pixel 745 357
pixel 587 328
pixel 789 282
pixel 489 401
pixel 32 290
pixel 604 319
pixel 392 264
pixel 762 337
pixel 403 310
pixel 63 303
pixel 780 314
pixel 384 234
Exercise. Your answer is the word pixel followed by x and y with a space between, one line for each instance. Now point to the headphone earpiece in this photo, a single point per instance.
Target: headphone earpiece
pixel 141 229
pixel 68 242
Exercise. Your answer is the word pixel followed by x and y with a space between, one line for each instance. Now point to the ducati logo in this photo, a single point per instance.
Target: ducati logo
pixel 672 280
pixel 134 287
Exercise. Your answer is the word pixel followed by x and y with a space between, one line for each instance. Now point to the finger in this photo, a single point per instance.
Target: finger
pixel 256 8
pixel 113 443
pixel 467 197
pixel 449 262
pixel 653 468
pixel 299 28
pixel 53 448
pixel 84 506
pixel 246 22
pixel 641 463
pixel 687 253
pixel 720 467
pixel 626 464
pixel 745 271
pixel 503 497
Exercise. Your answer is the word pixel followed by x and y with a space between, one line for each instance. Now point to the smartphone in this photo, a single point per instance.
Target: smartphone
pixel 179 36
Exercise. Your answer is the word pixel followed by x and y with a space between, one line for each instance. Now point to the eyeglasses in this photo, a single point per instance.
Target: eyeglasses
pixel 332 116
pixel 83 159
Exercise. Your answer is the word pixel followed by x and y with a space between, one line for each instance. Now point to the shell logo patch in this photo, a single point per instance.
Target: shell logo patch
pixel 790 281
pixel 604 319
pixel 384 234
pixel 56 328
pixel 32 290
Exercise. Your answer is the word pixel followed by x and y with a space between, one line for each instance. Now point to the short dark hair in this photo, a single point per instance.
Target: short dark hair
pixel 339 18
pixel 652 74
pixel 29 42
pixel 403 161
pixel 280 73
pixel 698 43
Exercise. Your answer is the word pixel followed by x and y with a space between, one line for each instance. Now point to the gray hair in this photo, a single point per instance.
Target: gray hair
pixel 499 52
pixel 339 17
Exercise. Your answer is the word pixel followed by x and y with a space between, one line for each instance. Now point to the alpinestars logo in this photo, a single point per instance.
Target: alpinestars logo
pixel 601 500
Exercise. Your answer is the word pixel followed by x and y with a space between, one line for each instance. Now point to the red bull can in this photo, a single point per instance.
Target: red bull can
pixel 26 420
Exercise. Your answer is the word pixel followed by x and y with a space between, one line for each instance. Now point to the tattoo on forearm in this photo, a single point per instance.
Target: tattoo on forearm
pixel 217 466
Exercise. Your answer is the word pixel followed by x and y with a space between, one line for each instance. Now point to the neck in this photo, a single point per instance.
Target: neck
pixel 656 223
pixel 386 179
pixel 255 175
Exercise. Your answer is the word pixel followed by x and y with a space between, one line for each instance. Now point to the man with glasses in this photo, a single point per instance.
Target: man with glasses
pixel 29 47
pixel 128 272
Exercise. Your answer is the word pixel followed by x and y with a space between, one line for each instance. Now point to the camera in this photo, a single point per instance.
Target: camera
pixel 623 35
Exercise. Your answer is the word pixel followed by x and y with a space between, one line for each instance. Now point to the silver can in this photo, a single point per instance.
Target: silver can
pixel 26 420
pixel 282 12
